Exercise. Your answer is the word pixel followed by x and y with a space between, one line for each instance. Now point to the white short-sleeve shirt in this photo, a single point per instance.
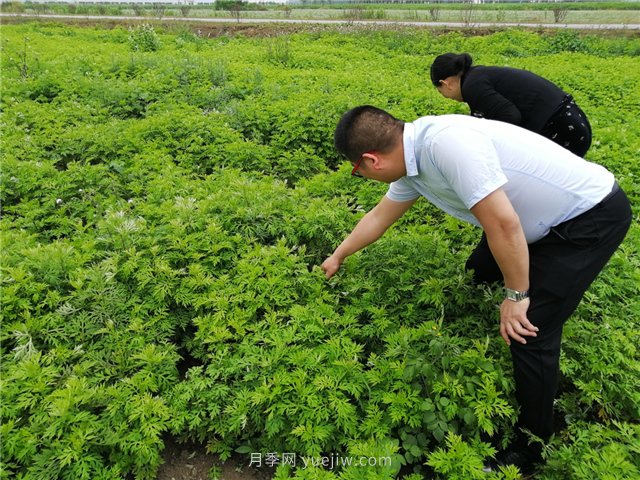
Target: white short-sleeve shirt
pixel 457 160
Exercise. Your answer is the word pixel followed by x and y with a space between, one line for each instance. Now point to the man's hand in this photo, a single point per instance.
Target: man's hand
pixel 331 265
pixel 514 322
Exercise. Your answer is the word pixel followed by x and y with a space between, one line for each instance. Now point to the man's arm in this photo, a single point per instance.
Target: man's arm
pixel 369 229
pixel 510 250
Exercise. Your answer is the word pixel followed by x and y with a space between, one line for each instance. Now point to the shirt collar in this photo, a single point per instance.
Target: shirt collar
pixel 409 140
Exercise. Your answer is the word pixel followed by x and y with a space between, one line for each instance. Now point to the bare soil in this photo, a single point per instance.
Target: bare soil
pixel 191 462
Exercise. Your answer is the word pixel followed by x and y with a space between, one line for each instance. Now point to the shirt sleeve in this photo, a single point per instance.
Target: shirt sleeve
pixel 401 191
pixel 468 162
pixel 485 101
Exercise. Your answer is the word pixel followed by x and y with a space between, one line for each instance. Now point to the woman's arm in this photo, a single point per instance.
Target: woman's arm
pixel 485 101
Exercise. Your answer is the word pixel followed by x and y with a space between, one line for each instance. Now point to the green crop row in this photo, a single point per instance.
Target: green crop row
pixel 167 199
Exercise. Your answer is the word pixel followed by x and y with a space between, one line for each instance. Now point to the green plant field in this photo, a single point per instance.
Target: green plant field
pixel 167 200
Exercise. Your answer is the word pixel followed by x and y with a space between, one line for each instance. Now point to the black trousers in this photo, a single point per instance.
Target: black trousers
pixel 562 266
pixel 569 128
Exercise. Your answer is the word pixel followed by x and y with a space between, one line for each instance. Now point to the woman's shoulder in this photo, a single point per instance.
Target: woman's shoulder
pixel 481 74
pixel 477 79
pixel 495 71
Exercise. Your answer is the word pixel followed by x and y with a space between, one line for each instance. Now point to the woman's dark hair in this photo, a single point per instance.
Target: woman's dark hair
pixel 448 65
pixel 366 129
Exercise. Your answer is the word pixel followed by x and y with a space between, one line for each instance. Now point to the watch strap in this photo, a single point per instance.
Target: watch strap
pixel 516 295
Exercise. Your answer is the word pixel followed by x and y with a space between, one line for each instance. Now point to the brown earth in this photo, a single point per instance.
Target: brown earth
pixel 191 462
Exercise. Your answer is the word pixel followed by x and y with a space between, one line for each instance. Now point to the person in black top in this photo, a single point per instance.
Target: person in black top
pixel 514 96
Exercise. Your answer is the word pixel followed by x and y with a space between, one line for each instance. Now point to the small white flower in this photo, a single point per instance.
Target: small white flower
pixel 58 201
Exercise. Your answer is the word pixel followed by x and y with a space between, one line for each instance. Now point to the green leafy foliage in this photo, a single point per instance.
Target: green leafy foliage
pixel 587 450
pixel 167 199
pixel 461 461
pixel 144 39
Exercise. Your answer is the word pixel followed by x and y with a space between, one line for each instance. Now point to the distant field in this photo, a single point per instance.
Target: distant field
pixel 472 15
pixel 545 13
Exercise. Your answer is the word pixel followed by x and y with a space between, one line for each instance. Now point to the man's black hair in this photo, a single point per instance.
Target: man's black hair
pixel 366 129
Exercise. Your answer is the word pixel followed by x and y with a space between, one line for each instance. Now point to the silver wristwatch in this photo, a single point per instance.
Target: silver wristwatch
pixel 515 295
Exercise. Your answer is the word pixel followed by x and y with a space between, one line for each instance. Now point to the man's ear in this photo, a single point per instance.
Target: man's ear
pixel 376 159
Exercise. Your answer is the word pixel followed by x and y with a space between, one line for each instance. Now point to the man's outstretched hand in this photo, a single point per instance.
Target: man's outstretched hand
pixel 331 265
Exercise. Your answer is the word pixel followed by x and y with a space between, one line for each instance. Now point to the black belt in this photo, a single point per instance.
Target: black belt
pixel 566 99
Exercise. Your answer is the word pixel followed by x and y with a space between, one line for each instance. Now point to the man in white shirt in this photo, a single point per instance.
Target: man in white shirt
pixel 551 222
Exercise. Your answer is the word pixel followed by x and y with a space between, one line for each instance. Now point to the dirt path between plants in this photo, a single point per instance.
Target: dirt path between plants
pixel 191 462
